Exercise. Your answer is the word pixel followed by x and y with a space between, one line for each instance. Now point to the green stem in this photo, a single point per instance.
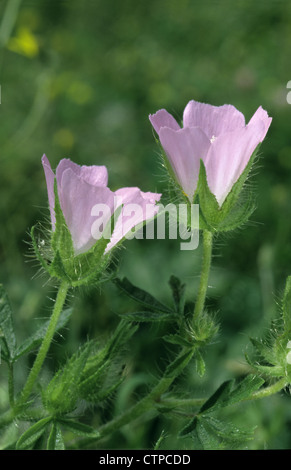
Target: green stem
pixel 271 390
pixel 206 263
pixel 146 404
pixel 59 302
pixel 11 385
pixel 181 402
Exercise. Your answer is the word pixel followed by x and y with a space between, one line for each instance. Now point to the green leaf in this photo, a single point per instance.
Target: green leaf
pixel 218 396
pixel 208 439
pixel 189 428
pixel 55 440
pixel 33 433
pixel 234 436
pixel 231 392
pixel 36 338
pixel 176 367
pixel 244 389
pixel 7 334
pixel 78 428
pixel 212 434
pixel 148 316
pixel 178 291
pixel 141 296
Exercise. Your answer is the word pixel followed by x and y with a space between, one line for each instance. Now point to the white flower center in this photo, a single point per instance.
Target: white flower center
pixel 212 139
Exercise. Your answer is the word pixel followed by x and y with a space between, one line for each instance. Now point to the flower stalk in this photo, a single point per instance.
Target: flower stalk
pixel 58 307
pixel 206 264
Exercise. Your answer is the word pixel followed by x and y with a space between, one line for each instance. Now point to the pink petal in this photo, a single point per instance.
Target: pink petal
pixel 163 119
pixel 96 175
pixel 138 207
pixel 214 120
pixel 261 115
pixel 228 157
pixel 50 179
pixel 77 199
pixel 185 148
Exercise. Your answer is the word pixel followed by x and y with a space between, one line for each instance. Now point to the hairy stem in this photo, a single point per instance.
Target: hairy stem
pixel 206 263
pixel 145 405
pixel 271 390
pixel 58 307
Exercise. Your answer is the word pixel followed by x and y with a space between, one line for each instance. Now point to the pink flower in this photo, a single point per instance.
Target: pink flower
pixel 82 191
pixel 216 134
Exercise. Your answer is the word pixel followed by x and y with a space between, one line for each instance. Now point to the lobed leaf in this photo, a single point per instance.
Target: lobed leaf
pixel 141 296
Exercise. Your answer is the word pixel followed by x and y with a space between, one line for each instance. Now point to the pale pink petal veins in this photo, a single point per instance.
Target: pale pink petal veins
pixel 214 120
pixel 228 157
pixel 185 148
pixel 163 119
pixel 50 178
pixel 77 199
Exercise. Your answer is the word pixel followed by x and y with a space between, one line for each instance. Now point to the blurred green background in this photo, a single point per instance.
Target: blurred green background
pixel 78 80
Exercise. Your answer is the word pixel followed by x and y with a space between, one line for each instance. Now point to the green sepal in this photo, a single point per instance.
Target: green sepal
pixel 62 263
pixel 200 364
pixel 209 207
pixel 32 434
pixel 264 350
pixel 57 268
pixel 62 393
pixel 179 340
pixel 43 261
pixel 271 371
